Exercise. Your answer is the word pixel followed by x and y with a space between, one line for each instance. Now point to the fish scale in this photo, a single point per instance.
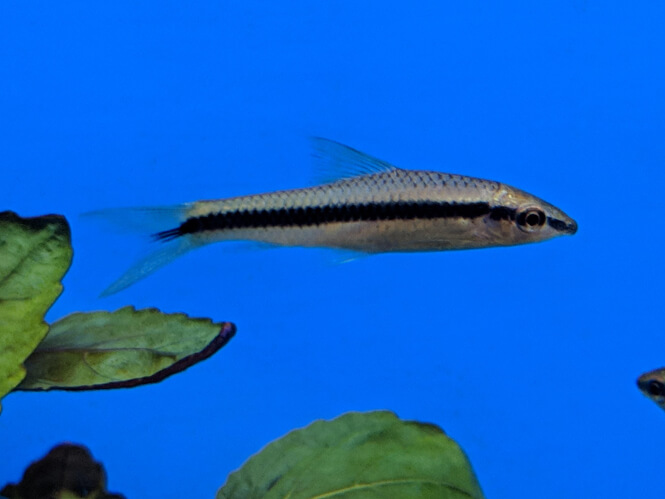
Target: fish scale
pixel 392 186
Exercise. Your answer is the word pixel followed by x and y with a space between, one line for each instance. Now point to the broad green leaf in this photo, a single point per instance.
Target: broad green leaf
pixel 121 349
pixel 357 456
pixel 34 255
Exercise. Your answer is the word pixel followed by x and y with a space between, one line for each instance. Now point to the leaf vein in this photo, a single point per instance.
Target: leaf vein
pixel 383 483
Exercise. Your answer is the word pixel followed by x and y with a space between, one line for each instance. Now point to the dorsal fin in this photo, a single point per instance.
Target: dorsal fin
pixel 334 161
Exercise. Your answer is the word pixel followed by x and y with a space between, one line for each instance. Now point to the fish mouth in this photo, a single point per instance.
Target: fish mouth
pixel 566 226
pixel 652 387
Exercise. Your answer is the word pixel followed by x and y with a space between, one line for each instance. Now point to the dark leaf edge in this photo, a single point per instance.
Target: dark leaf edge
pixel 36 224
pixel 227 331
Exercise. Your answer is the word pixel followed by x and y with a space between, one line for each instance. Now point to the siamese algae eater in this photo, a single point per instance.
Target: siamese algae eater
pixel 369 206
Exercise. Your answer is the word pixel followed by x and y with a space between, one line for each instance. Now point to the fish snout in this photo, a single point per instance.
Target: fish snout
pixel 652 387
pixel 563 225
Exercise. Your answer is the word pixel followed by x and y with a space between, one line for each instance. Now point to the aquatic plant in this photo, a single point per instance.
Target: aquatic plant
pixel 68 471
pixel 357 455
pixel 82 351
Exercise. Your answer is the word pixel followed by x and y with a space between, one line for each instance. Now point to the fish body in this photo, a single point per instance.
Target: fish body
pixel 652 384
pixel 396 210
pixel 375 208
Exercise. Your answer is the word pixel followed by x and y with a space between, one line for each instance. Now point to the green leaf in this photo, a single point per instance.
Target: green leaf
pixel 121 349
pixel 357 456
pixel 34 255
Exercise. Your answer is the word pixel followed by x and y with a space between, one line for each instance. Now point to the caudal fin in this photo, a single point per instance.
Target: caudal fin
pixel 149 222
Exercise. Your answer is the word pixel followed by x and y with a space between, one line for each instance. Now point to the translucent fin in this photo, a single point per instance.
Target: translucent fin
pixel 146 221
pixel 339 257
pixel 168 252
pixel 335 161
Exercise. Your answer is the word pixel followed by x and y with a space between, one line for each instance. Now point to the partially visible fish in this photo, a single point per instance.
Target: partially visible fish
pixel 374 207
pixel 652 384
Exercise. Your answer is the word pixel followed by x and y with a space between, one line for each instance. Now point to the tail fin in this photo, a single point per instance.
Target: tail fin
pixel 149 221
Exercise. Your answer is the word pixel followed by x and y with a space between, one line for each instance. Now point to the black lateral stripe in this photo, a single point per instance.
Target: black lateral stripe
pixel 502 213
pixel 557 224
pixel 316 215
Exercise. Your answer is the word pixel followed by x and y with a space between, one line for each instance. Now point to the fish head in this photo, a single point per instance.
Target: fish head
pixel 652 384
pixel 524 218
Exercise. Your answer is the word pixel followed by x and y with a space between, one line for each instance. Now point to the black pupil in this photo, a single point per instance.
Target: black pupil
pixel 533 219
pixel 656 388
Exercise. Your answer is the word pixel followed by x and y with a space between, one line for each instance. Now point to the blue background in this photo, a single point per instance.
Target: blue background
pixel 527 356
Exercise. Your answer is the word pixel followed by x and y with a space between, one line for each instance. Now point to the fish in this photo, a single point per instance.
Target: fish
pixel 365 206
pixel 652 384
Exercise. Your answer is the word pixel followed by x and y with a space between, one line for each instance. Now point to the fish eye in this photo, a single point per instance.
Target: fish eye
pixel 655 388
pixel 530 219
